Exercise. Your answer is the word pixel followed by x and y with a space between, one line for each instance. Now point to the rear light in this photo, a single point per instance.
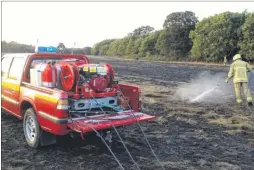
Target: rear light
pixel 139 95
pixel 62 108
pixel 62 104
pixel 139 99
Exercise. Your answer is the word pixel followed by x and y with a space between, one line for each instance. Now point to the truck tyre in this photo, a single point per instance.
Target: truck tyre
pixel 31 128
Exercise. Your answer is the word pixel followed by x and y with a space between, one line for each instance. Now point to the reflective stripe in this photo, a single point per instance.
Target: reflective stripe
pixel 10 85
pixel 46 97
pixel 8 99
pixel 239 80
pixel 46 128
pixel 53 118
pixel 36 94
pixel 249 99
pixel 239 100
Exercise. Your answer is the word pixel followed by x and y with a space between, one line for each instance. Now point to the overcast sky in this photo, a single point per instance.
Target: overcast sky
pixel 90 22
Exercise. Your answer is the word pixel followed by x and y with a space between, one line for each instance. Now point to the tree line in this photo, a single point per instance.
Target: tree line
pixel 14 47
pixel 185 38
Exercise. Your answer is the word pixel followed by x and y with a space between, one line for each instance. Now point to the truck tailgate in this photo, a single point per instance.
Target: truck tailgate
pixel 100 122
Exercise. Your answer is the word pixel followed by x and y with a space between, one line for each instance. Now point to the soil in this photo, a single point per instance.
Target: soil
pixel 184 136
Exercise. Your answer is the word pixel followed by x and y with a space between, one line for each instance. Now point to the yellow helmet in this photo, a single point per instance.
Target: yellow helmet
pixel 237 56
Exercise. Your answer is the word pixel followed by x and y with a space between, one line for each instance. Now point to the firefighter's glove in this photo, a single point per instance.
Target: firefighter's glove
pixel 226 80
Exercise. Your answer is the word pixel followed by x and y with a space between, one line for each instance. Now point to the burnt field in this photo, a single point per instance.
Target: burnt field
pixel 211 135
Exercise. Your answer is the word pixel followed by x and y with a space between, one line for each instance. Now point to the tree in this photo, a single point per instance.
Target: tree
pixel 217 36
pixel 14 47
pixel 122 46
pixel 148 44
pixel 102 47
pixel 181 19
pixel 141 31
pixel 247 42
pixel 160 44
pixel 113 47
pixel 137 45
pixel 87 50
pixel 174 40
pixel 130 47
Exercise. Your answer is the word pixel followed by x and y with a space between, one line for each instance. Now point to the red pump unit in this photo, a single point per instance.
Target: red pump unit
pixel 99 84
pixel 71 74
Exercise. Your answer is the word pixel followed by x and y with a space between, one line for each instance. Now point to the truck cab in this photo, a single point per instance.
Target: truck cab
pixel 81 97
pixel 12 69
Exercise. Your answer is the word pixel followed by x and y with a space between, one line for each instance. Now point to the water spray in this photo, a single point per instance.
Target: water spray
pixel 203 94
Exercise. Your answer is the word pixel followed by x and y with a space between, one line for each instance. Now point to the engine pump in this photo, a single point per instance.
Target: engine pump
pixel 97 77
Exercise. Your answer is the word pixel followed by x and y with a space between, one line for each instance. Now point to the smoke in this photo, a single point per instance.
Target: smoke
pixel 206 82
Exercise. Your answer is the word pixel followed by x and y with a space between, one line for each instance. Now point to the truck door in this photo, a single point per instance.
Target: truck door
pixel 11 86
pixel 5 66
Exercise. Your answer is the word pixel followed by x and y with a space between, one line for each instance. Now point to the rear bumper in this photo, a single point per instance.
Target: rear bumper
pixel 88 124
pixel 99 122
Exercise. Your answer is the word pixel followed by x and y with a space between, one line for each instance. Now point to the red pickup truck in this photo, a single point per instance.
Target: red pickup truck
pixel 58 94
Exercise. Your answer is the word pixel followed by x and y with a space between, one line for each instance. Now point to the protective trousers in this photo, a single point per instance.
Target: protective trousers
pixel 244 87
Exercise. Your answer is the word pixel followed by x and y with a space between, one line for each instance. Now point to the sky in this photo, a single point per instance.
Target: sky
pixel 87 23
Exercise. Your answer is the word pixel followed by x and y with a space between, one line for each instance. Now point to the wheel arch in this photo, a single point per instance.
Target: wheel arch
pixel 26 104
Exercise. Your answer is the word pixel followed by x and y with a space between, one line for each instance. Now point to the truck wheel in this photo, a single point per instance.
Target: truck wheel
pixel 31 128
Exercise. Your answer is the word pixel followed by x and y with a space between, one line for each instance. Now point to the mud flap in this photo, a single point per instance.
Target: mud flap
pixel 101 122
pixel 47 139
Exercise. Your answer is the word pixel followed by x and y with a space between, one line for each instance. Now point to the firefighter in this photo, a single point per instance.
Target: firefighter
pixel 225 61
pixel 238 70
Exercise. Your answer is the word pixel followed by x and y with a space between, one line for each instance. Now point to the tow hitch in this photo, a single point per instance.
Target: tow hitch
pixel 107 136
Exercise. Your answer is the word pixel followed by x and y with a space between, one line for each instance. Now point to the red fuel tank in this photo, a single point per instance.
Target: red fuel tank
pixel 48 74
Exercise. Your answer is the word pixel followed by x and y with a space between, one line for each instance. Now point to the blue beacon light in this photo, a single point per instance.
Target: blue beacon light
pixel 50 49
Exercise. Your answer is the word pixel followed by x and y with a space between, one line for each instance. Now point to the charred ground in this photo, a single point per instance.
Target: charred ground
pixel 185 136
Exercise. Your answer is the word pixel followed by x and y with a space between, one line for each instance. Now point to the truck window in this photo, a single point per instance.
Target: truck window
pixel 16 69
pixel 37 61
pixel 6 62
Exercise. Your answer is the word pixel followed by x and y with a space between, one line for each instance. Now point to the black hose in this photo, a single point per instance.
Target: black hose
pixel 106 145
pixel 250 93
pixel 134 162
pixel 119 163
pixel 143 132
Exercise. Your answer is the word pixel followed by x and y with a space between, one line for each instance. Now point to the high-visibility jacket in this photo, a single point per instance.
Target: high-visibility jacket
pixel 238 70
